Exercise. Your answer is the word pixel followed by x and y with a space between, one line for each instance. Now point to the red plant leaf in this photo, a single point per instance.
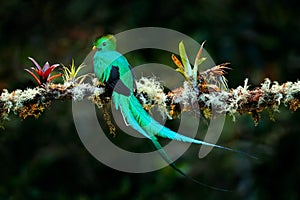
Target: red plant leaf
pixel 39 72
pixel 48 71
pixel 53 77
pixel 34 76
pixel 42 74
pixel 35 63
pixel 46 66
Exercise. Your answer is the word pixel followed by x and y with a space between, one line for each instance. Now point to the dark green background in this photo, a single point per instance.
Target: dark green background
pixel 45 159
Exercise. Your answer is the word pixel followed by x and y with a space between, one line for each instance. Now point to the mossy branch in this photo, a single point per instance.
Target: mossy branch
pixel 204 93
pixel 209 99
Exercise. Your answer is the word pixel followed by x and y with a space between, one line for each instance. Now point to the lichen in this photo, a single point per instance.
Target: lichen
pixel 290 90
pixel 7 104
pixel 33 109
pixel 96 98
pixel 15 100
pixel 79 92
pixel 187 96
pixel 21 102
pixel 150 92
pixel 155 95
pixel 21 97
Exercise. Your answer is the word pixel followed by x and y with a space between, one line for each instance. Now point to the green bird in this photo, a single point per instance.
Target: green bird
pixel 113 69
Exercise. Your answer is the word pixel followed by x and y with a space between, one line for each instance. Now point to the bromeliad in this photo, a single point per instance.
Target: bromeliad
pixel 185 68
pixel 212 78
pixel 43 74
pixel 70 74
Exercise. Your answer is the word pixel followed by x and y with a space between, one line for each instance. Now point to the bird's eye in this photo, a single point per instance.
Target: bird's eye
pixel 104 44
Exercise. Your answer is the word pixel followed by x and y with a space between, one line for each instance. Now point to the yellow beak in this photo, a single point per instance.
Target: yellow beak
pixel 94 47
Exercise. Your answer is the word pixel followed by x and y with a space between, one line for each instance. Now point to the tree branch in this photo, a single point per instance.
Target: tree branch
pixel 207 98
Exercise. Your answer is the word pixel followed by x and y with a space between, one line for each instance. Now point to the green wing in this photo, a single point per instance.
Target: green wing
pixel 104 63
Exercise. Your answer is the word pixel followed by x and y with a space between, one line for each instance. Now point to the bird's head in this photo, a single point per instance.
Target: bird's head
pixel 105 43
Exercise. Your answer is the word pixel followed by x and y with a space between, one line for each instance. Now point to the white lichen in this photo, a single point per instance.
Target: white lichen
pixel 187 96
pixel 68 84
pixel 20 97
pixel 155 93
pixel 7 103
pixel 15 100
pixel 79 92
pixel 290 89
pixel 239 96
pixel 276 90
pixel 265 86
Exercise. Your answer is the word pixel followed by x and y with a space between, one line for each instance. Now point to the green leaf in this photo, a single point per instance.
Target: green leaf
pixel 198 61
pixel 198 57
pixel 184 59
pixel 201 60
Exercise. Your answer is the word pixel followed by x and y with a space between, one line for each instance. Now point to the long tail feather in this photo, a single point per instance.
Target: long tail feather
pixel 172 164
pixel 124 103
pixel 134 120
pixel 141 121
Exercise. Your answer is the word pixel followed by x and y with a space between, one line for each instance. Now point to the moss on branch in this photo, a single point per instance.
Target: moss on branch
pixel 241 100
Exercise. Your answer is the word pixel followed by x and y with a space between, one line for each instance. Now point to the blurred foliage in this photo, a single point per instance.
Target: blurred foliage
pixel 45 159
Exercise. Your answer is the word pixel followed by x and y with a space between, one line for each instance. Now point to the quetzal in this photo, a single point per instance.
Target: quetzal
pixel 113 69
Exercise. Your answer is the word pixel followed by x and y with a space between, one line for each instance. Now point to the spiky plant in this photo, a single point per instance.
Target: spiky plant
pixel 42 75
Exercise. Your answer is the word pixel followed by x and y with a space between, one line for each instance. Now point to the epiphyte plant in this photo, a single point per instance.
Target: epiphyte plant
pixel 71 73
pixel 42 75
pixel 184 66
pixel 209 78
